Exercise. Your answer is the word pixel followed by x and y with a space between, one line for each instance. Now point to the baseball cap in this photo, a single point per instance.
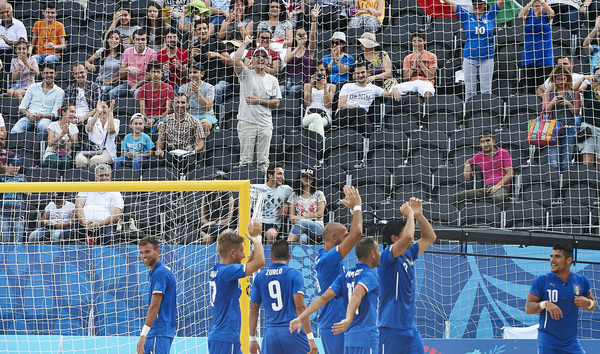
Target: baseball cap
pixel 136 116
pixel 12 158
pixel 479 2
pixel 259 50
pixel 339 36
pixel 220 175
pixel 308 172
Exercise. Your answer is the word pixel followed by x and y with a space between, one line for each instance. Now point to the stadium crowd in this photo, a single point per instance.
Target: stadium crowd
pixel 319 84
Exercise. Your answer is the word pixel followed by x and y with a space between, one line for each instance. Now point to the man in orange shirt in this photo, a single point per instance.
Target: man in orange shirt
pixel 418 70
pixel 48 37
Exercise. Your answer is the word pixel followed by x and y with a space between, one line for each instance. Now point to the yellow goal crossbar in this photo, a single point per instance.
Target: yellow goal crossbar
pixel 242 187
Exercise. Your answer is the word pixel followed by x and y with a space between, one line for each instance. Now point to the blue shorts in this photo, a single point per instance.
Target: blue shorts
pixel 332 343
pixel 280 340
pixel 360 350
pixel 158 345
pixel 574 348
pixel 400 341
pixel 220 347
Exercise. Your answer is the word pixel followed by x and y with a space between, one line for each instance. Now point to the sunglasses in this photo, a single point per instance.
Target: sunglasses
pixel 265 38
pixel 261 56
pixel 335 42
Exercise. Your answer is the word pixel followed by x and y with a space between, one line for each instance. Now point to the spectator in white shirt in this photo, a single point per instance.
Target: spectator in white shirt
pixel 57 220
pixel 102 129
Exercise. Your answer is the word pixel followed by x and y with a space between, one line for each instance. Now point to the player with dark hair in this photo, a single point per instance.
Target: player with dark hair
pixel 224 332
pixel 161 320
pixel 557 297
pixel 397 330
pixel 359 289
pixel 338 242
pixel 279 289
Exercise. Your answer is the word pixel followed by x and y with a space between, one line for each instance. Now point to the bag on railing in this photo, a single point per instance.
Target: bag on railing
pixel 543 130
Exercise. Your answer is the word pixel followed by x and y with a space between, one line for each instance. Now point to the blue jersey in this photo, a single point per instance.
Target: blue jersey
pixel 397 308
pixel 537 46
pixel 162 281
pixel 225 293
pixel 363 331
pixel 548 287
pixel 143 144
pixel 12 202
pixel 274 288
pixel 479 41
pixel 329 266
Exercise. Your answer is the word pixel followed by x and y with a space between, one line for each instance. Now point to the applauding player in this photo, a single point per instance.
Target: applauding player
pixel 279 289
pixel 397 330
pixel 359 289
pixel 224 332
pixel 338 243
pixel 556 296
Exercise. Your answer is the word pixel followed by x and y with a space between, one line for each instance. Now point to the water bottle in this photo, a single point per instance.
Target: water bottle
pixel 288 84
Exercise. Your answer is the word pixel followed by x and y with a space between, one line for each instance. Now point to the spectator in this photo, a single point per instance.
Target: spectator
pixel 569 13
pixel 24 70
pixel 137 146
pixel 12 218
pixel 354 107
pixel 183 136
pixel 3 153
pixel 155 96
pixel 174 60
pixel 259 94
pixel 56 220
pixel 339 64
pixel 538 54
pixel 275 194
pixel 155 26
pixel 84 93
pixel 300 59
pixel 307 206
pixel 295 12
pixel 379 64
pixel 40 103
pixel 11 31
pixel 478 53
pixel 216 211
pixel 564 103
pixel 590 148
pixel 593 49
pixel 332 16
pixel 418 70
pixel 282 30
pixel 98 212
pixel 318 99
pixel 238 25
pixel 201 96
pixel 566 62
pixel 496 165
pixel 134 63
pixel 273 64
pixel 368 15
pixel 195 12
pixel 220 11
pixel 122 24
pixel 110 62
pixel 62 135
pixel 48 37
pixel 102 129
pixel 212 56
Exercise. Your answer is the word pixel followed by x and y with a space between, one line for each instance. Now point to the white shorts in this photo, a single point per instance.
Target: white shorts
pixel 415 86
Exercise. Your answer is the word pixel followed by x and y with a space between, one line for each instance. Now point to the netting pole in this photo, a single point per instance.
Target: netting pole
pixel 244 220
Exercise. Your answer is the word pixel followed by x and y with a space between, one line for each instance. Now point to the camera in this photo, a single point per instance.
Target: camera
pixel 319 76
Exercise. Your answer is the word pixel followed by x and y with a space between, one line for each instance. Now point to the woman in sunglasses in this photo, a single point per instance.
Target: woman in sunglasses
pixel 338 62
pixel 478 53
pixel 282 29
pixel 307 206
pixel 318 98
pixel 299 60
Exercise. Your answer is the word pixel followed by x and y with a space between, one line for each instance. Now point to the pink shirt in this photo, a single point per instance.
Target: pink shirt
pixel 140 61
pixel 492 167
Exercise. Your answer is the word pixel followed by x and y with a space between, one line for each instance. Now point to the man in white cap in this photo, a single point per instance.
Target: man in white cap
pixel 259 94
pixel 338 63
pixel 418 70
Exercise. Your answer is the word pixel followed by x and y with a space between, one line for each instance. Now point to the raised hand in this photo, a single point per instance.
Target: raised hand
pixel 407 211
pixel 416 205
pixel 315 11
pixel 352 198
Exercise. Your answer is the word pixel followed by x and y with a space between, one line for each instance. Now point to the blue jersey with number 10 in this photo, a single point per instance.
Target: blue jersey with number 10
pixel 274 288
pixel 363 331
pixel 548 287
pixel 224 297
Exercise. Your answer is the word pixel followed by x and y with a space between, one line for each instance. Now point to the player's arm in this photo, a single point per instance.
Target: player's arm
pixel 300 307
pixel 406 237
pixel 587 303
pixel 355 300
pixel 150 317
pixel 257 258
pixel 254 308
pixel 296 323
pixel 534 305
pixel 428 236
pixel 353 202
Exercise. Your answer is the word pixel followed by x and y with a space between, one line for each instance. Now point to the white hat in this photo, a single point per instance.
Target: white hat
pixel 258 50
pixel 367 39
pixel 339 36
